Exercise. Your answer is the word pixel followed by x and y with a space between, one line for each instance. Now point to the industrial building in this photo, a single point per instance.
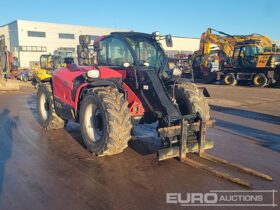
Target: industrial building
pixel 28 40
pixel 182 45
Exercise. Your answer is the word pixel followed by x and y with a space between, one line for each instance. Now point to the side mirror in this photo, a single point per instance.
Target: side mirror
pixel 84 39
pixel 168 41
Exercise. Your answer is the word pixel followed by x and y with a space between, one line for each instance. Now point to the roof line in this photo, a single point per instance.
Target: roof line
pixel 185 37
pixel 8 23
pixel 69 24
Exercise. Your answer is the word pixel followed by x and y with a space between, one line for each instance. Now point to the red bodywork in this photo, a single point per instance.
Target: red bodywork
pixel 63 86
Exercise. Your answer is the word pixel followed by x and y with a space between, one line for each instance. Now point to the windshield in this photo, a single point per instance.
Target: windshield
pixel 277 59
pixel 148 53
pixel 50 62
pixel 57 61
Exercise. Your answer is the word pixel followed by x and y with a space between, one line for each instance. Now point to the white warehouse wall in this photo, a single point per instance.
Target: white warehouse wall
pixel 17 36
pixel 183 44
pixel 52 41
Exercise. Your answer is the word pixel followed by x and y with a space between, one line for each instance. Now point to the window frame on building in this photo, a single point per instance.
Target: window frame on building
pixel 37 34
pixel 66 36
pixel 32 48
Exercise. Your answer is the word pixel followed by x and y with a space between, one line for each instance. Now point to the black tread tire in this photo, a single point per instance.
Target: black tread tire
pixel 264 79
pixel 191 100
pixel 117 123
pixel 53 121
pixel 232 78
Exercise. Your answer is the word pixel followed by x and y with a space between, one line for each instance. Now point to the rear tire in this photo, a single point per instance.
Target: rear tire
pixel 230 79
pixel 260 80
pixel 45 106
pixel 105 121
pixel 191 100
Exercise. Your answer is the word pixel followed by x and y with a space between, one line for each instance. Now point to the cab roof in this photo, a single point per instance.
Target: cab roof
pixel 132 34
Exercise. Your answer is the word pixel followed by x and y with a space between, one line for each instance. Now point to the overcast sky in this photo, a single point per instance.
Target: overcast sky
pixel 178 17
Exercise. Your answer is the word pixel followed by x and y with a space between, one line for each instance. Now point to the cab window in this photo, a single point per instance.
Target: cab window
pixel 250 55
pixel 102 58
pixel 114 53
pixel 147 52
pixel 250 51
pixel 237 54
pixel 44 62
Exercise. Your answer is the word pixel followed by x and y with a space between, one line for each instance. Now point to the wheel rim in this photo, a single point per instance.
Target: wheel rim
pixel 228 80
pixel 44 106
pixel 93 123
pixel 259 80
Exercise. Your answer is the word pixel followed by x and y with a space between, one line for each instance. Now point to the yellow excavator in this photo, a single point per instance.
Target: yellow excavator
pixel 48 63
pixel 241 58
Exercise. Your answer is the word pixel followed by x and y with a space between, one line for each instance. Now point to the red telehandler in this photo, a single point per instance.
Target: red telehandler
pixel 127 80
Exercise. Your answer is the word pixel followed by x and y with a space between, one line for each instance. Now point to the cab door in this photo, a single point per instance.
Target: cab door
pixel 115 54
pixel 250 56
pixel 236 58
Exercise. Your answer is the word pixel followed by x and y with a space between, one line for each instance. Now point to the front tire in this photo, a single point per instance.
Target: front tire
pixel 105 121
pixel 230 79
pixel 45 106
pixel 191 101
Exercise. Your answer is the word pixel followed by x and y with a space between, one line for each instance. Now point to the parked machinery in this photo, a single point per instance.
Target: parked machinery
pixel 48 63
pixel 128 80
pixel 181 65
pixel 241 57
pixel 4 61
pixel 253 62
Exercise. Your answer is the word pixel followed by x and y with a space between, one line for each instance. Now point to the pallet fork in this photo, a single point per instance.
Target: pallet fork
pixel 194 122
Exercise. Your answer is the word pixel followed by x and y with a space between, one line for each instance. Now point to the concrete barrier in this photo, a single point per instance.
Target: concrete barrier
pixel 10 85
